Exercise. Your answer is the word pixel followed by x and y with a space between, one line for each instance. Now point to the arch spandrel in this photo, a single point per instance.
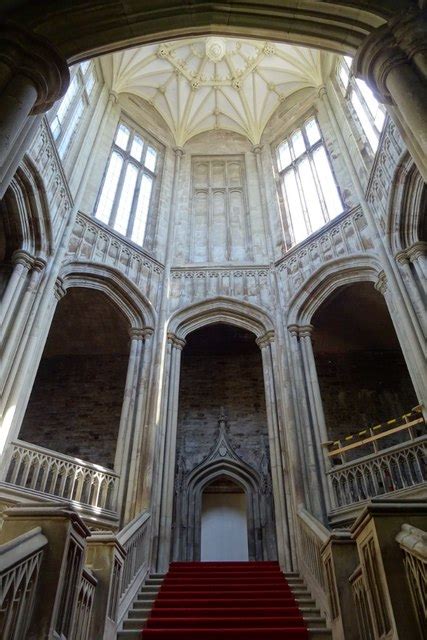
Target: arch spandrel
pixel 220 310
pixel 135 307
pixel 326 280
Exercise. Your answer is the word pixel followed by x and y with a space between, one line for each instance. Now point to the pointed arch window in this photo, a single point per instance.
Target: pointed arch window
pixel 368 113
pixel 125 195
pixel 73 106
pixel 310 193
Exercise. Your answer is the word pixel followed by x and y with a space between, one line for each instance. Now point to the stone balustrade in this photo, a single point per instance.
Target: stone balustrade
pixel 361 603
pixel 312 535
pixel 135 540
pixel 92 241
pixel 413 543
pixel 20 561
pixel 43 471
pixel 400 467
pixel 85 600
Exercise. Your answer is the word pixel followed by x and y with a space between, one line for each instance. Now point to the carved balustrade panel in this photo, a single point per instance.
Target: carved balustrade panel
pixel 413 543
pixel 252 284
pixel 363 612
pixel 92 242
pixel 20 560
pixel 46 471
pixel 348 235
pixel 83 613
pixel 400 467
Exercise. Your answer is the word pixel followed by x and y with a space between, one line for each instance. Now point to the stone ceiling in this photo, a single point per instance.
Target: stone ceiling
pixel 201 84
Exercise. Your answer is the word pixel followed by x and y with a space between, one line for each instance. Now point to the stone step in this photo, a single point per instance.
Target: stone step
pixel 313 622
pixel 314 634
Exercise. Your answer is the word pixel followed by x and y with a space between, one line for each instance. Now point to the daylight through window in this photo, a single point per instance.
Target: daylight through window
pixel 309 189
pixel 125 195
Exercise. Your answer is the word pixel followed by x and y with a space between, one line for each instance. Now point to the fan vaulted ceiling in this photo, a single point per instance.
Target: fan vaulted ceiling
pixel 201 84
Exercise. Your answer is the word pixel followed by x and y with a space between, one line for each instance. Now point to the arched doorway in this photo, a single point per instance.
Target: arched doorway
pixel 223 483
pixel 224 522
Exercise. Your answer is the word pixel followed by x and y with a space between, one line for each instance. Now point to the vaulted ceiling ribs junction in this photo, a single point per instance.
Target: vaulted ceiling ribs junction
pixel 201 84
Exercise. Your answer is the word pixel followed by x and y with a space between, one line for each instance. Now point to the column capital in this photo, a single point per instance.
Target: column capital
pixel 266 339
pixel 113 97
pixel 321 92
pixel 381 284
pixel 257 149
pixel 300 331
pixel 178 151
pixel 136 333
pixel 20 256
pixel 417 250
pixel 402 258
pixel 39 264
pixel 59 289
pixel 389 46
pixel 177 343
pixel 31 55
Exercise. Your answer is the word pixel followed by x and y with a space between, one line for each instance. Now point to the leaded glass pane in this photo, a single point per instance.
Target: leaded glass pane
pixel 126 198
pixel 313 132
pixel 105 203
pixel 298 144
pixel 150 158
pixel 122 136
pixel 327 182
pixel 294 206
pixel 284 155
pixel 138 231
pixel 311 195
pixel 364 120
pixel 136 148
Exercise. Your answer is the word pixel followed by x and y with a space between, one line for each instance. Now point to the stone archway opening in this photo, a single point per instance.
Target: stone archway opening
pixel 76 400
pixel 223 484
pixel 224 521
pixel 363 376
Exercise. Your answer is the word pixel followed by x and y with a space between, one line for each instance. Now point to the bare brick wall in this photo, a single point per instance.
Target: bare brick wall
pixel 363 388
pixel 209 383
pixel 75 406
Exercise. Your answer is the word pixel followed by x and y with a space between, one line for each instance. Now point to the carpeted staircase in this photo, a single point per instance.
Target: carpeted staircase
pixel 224 601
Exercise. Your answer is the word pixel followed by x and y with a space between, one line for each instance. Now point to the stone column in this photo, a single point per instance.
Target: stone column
pixel 126 429
pixel 281 490
pixel 133 469
pixel 170 418
pixel 12 344
pixel 32 77
pixel 309 409
pixel 22 262
pixel 417 367
pixel 392 60
pixel 413 287
pixel 316 405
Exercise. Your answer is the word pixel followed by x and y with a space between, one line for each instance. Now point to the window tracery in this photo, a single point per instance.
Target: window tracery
pixel 369 114
pixel 124 198
pixel 309 189
pixel 74 104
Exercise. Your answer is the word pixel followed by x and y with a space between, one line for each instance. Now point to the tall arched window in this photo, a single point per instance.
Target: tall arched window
pixel 309 189
pixel 76 101
pixel 369 113
pixel 124 199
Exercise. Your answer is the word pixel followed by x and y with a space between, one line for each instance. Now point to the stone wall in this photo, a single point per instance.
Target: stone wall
pixel 208 383
pixel 363 388
pixel 75 406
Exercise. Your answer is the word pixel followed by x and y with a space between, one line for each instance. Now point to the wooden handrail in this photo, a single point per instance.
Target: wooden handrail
pixel 373 437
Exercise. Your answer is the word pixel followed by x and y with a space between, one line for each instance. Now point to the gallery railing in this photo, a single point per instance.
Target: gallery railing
pixel 379 465
pixel 20 561
pixel 413 542
pixel 49 472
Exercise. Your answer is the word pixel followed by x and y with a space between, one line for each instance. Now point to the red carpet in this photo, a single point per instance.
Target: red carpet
pixel 225 601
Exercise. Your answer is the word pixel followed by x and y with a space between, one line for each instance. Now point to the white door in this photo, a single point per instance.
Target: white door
pixel 224 527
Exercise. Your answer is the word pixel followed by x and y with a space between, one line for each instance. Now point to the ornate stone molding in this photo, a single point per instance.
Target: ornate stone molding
pixel 33 56
pixel 301 331
pixel 266 339
pixel 24 258
pixel 388 46
pixel 177 343
pixel 381 284
pixel 59 288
